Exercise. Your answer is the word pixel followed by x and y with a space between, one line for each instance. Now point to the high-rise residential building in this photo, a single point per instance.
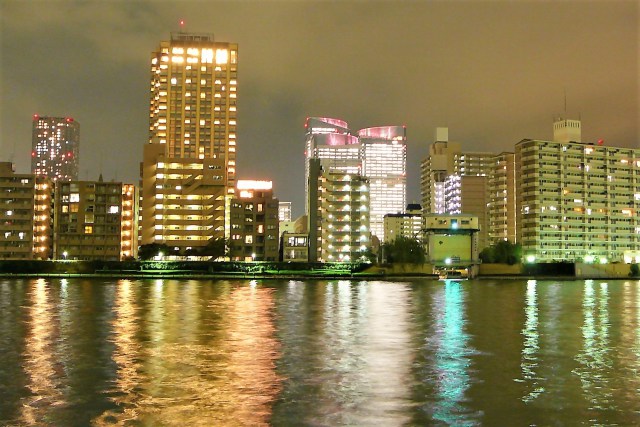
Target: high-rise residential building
pixel 25 215
pixel 577 201
pixel 384 163
pixel 456 182
pixel 338 214
pixel 55 147
pixel 447 158
pixel 95 220
pixel 331 141
pixel 189 163
pixel 254 222
pixel 407 224
pixel 502 203
pixel 467 195
pixel 434 170
pixel 377 153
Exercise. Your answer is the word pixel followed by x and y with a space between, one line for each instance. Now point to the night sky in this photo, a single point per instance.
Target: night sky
pixel 494 72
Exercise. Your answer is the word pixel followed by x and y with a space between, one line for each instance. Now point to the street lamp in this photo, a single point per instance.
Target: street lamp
pixel 253 256
pixel 65 254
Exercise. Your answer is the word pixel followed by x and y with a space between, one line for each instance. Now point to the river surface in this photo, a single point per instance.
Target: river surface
pixel 77 352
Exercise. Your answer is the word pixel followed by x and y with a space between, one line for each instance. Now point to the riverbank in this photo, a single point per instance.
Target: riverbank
pixel 295 271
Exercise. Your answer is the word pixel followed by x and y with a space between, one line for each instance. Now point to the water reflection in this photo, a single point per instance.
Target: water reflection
pixel 346 354
pixel 126 355
pixel 171 352
pixel 43 372
pixel 594 359
pixel 209 362
pixel 531 347
pixel 450 355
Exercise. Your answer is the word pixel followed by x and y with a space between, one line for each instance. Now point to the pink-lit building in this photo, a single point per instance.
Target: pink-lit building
pixel 377 153
pixel 331 141
pixel 55 148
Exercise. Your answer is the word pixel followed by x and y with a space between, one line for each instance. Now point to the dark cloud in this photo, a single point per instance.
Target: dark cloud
pixel 494 72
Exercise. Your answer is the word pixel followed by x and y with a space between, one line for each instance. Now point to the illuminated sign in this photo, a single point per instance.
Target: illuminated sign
pixel 244 184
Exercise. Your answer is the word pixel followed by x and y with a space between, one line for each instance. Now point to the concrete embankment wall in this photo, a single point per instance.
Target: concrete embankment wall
pixel 500 269
pixel 401 269
pixel 620 271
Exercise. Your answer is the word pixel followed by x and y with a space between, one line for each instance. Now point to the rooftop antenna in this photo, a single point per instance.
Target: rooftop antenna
pixel 565 102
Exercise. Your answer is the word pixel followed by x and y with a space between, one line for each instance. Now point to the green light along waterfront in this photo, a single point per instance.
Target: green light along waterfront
pixel 289 353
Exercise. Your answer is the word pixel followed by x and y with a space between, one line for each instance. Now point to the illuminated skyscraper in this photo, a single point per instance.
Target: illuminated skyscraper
pixel 331 141
pixel 55 143
pixel 377 153
pixel 189 163
pixel 384 163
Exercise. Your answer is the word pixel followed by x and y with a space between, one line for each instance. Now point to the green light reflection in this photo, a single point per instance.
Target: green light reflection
pixel 452 358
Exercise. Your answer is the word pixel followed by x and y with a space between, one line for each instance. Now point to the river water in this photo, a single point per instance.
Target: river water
pixel 319 353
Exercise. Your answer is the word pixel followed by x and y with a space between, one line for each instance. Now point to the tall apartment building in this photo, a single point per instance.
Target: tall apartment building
pixel 254 222
pixel 577 201
pixel 55 147
pixel 95 220
pixel 447 158
pixel 331 141
pixel 456 182
pixel 189 163
pixel 467 195
pixel 502 202
pixel 25 215
pixel 434 170
pixel 378 153
pixel 384 163
pixel 407 224
pixel 338 214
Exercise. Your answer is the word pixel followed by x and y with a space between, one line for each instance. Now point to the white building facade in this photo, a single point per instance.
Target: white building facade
pixel 577 201
pixel 384 163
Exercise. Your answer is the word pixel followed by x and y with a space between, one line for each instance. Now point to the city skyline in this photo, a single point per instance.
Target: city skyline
pixel 493 72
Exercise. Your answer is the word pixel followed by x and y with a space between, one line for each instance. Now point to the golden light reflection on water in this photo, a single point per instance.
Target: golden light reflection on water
pixel 127 355
pixel 595 359
pixel 531 348
pixel 40 365
pixel 203 365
